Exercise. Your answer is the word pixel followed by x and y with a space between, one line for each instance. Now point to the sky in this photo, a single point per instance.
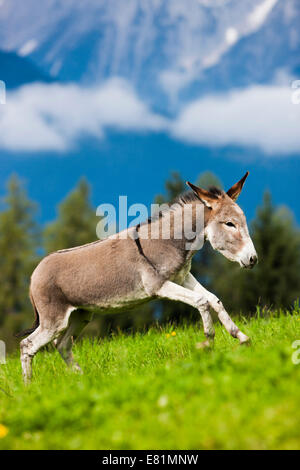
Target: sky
pixel 123 94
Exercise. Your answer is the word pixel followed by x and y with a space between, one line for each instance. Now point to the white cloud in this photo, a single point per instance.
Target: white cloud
pixel 51 117
pixel 261 116
pixel 41 117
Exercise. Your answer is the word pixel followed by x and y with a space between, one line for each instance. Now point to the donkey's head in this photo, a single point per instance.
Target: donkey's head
pixel 226 227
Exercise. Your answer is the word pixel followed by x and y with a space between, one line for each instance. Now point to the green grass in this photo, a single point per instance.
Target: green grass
pixel 148 391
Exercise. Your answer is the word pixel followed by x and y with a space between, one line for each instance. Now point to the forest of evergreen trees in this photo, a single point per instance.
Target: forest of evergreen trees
pixel 274 283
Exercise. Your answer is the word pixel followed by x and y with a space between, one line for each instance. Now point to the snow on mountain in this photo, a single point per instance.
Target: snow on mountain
pixel 163 47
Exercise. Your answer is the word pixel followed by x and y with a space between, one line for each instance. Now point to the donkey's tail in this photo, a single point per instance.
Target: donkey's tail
pixel 36 322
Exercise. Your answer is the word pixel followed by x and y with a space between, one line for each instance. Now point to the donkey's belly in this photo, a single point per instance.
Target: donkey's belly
pixel 117 305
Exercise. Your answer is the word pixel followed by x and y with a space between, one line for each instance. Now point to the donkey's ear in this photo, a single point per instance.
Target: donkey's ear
pixel 206 197
pixel 234 192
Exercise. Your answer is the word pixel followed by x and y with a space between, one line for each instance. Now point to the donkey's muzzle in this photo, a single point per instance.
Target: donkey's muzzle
pixel 253 261
pixel 249 262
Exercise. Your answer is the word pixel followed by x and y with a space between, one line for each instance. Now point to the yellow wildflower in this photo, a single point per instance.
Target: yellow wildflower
pixel 3 431
pixel 168 335
pixel 173 333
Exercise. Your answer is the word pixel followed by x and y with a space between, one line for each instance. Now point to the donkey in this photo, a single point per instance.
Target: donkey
pixel 132 267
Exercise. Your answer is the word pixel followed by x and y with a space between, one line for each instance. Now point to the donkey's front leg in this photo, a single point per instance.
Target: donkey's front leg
pixel 191 283
pixel 196 299
pixel 217 305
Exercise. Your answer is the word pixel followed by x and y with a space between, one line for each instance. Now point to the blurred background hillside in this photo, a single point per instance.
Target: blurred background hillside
pixel 111 98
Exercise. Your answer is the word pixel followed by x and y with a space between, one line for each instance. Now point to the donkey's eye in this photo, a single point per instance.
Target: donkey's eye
pixel 230 224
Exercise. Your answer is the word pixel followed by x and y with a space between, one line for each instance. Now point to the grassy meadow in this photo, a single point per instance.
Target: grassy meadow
pixel 157 390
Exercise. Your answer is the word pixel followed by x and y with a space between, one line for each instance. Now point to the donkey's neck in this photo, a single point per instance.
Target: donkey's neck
pixel 181 226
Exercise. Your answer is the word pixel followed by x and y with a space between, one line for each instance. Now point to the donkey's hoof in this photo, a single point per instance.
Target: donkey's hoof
pixel 204 344
pixel 76 368
pixel 245 341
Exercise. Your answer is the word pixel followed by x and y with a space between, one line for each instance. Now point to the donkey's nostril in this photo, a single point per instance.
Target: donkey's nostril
pixel 253 260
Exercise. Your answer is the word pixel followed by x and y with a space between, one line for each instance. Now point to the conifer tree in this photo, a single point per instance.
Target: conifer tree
pixel 174 186
pixel 76 221
pixel 19 237
pixel 276 281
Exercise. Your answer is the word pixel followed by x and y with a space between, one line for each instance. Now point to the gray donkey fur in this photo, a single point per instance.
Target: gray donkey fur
pixel 117 273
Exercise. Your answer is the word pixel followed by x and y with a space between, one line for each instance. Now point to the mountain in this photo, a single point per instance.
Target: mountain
pixel 166 48
pixel 272 52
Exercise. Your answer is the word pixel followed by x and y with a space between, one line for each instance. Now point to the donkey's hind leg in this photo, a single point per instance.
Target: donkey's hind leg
pixel 30 346
pixel 46 332
pixel 78 320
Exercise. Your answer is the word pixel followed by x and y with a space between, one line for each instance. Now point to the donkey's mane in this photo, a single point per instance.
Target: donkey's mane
pixel 185 198
pixel 190 196
pixel 215 191
pixel 182 199
pixel 76 247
